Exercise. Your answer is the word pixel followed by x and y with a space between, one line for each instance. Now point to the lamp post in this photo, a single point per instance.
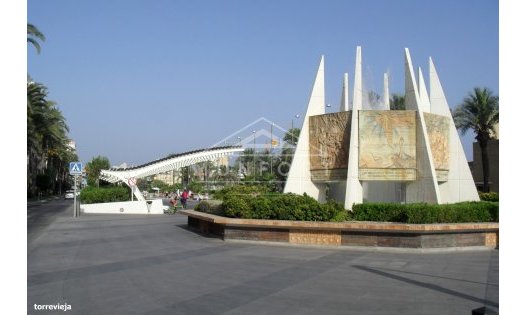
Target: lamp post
pixel 271 147
pixel 254 155
pixel 292 125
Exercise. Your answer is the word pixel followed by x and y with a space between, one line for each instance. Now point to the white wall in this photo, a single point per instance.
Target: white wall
pixel 126 207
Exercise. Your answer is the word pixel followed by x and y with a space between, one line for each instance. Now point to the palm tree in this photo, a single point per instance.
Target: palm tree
pixel 33 35
pixel 479 111
pixel 47 141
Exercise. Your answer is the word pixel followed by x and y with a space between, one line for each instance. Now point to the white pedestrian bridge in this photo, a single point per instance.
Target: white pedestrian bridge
pixel 169 163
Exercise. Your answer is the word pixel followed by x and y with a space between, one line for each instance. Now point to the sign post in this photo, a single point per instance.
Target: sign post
pixel 75 168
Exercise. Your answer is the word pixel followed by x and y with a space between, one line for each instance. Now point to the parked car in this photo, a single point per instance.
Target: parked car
pixel 70 194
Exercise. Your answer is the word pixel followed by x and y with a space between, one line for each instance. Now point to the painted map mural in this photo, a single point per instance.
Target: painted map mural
pixel 387 141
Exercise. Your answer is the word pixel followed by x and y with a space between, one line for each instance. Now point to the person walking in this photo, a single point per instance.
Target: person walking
pixel 184 197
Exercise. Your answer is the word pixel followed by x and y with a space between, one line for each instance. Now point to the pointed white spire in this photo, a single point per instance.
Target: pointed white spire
pixel 354 188
pixel 357 100
pixel 422 91
pixel 411 91
pixel 437 97
pixel 425 188
pixel 460 185
pixel 299 177
pixel 344 104
pixel 317 98
pixel 386 92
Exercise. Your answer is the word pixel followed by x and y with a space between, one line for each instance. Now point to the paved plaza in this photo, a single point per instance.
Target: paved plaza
pixel 152 264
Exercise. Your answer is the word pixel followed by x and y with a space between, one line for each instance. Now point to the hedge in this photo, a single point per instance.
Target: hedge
pixel 420 213
pixel 489 196
pixel 257 202
pixel 106 194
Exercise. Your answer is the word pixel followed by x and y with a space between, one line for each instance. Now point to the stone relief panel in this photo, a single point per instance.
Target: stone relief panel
pixel 329 136
pixel 438 133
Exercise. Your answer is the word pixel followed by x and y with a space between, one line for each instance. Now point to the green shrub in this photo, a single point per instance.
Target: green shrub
pixel 210 207
pixel 106 194
pixel 237 208
pixel 261 208
pixel 421 213
pixel 335 211
pixel 203 206
pixel 240 191
pixel 489 196
pixel 383 212
pixel 275 206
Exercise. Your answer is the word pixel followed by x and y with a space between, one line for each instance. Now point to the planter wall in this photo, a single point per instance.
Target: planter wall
pixel 369 234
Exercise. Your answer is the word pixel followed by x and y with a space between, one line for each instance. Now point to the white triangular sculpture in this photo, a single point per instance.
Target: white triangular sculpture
pixel 425 188
pixel 344 103
pixel 452 182
pixel 299 177
pixel 354 190
pixel 460 185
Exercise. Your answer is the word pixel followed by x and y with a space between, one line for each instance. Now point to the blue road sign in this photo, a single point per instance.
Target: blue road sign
pixel 75 168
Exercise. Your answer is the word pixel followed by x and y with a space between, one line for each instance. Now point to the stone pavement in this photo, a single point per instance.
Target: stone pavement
pixel 152 264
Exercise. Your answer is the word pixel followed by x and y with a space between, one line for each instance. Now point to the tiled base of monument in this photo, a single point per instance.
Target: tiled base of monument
pixel 368 234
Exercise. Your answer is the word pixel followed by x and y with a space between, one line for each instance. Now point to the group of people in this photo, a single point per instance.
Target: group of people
pixel 183 197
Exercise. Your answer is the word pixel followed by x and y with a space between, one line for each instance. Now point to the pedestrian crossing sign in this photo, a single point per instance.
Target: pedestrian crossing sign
pixel 75 168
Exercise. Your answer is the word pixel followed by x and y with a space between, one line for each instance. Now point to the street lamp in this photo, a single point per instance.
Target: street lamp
pixel 254 155
pixel 297 116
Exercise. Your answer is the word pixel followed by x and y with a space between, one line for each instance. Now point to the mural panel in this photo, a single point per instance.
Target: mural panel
pixel 329 136
pixel 387 145
pixel 438 133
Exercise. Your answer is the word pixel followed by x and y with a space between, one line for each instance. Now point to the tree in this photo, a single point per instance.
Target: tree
pixel 47 141
pixel 33 35
pixel 479 111
pixel 94 167
pixel 291 137
pixel 397 102
pixel 373 98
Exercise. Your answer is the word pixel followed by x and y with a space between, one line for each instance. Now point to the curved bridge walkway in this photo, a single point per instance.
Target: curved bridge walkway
pixel 169 163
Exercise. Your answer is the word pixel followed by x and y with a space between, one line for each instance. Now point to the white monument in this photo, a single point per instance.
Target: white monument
pixel 357 155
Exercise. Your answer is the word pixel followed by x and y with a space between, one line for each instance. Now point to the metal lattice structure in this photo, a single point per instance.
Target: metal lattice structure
pixel 169 163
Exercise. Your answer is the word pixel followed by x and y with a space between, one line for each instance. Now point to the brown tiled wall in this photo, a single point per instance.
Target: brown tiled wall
pixel 436 239
pixel 257 234
pixel 332 238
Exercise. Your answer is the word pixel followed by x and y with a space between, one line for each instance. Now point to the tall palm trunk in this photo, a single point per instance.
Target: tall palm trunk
pixel 485 164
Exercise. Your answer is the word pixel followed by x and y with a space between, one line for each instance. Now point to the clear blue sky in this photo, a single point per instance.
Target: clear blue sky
pixel 137 80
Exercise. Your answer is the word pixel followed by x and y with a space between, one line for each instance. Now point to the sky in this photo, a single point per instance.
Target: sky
pixel 139 80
